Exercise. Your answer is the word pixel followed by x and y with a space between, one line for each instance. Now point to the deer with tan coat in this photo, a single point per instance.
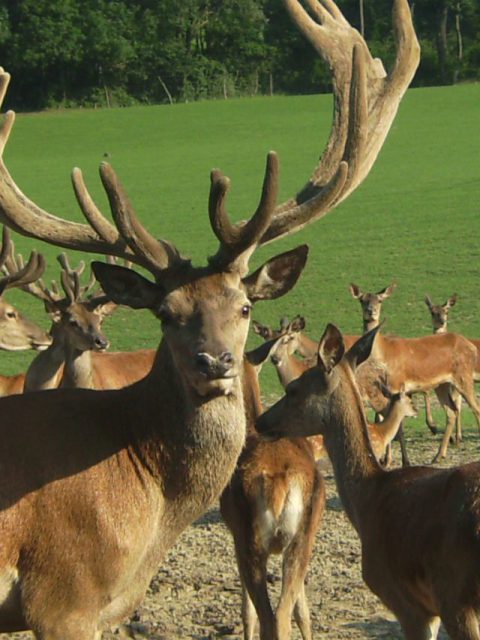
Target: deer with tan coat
pixel 273 504
pixel 444 362
pixel 97 485
pixel 396 513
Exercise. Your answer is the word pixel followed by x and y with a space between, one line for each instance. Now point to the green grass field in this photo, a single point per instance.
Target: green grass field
pixel 415 220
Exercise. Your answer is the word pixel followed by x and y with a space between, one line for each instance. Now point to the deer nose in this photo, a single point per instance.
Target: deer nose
pixel 101 343
pixel 215 367
pixel 275 360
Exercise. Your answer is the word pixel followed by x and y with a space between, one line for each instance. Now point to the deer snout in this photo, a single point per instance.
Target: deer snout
pixel 101 343
pixel 215 367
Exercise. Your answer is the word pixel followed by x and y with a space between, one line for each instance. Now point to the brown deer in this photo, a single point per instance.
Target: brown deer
pixel 371 304
pixel 439 313
pixel 273 504
pixel 76 356
pixel 442 362
pixel 17 333
pixel 396 513
pixel 97 485
pixel 282 347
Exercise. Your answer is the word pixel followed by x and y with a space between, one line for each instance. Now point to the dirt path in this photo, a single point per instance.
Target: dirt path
pixel 196 593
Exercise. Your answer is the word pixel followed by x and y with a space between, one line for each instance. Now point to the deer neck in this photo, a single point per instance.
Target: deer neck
pixel 78 370
pixel 390 425
pixel 189 444
pixel 368 325
pixel 44 371
pixel 346 440
pixel 251 396
pixel 440 329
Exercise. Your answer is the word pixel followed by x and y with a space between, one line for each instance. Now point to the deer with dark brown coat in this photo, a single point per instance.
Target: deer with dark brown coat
pixel 396 513
pixel 98 485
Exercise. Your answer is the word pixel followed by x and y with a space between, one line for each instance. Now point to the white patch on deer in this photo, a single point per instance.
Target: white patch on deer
pixel 8 583
pixel 275 534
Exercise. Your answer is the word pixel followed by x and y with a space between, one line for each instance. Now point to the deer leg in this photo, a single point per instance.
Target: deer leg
pixel 428 414
pixel 417 626
pixel 295 562
pixel 249 615
pixel 252 566
pixel 462 624
pixel 457 399
pixel 301 614
pixel 451 418
pixel 403 447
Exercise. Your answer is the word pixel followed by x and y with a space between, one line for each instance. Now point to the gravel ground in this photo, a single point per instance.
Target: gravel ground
pixel 196 593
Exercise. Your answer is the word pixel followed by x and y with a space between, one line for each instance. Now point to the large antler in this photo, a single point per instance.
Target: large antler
pixel 366 100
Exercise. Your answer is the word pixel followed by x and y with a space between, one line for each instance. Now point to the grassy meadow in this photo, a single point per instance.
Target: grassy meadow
pixel 415 219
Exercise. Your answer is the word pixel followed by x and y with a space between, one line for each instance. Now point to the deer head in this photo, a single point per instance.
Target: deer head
pixel 17 333
pixel 439 313
pixel 371 304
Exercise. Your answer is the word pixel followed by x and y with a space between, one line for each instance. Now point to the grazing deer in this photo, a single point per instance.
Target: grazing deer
pixel 97 485
pixel 396 513
pixel 273 504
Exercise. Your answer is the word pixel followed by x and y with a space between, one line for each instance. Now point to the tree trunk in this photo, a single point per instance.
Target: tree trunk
pixel 442 41
pixel 458 31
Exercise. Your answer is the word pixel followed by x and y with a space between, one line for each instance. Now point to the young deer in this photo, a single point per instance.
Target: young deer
pixel 443 362
pixel 97 485
pixel 273 505
pixel 396 513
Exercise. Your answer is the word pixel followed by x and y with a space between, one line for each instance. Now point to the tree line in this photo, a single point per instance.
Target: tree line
pixel 65 53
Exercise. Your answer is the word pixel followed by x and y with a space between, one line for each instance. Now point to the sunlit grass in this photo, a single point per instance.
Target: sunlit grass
pixel 415 220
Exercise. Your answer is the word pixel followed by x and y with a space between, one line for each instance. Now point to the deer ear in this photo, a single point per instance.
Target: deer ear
pixel 452 300
pixel 428 302
pixel 355 291
pixel 330 348
pixel 387 292
pixel 257 356
pixel 362 348
pixel 125 286
pixel 277 276
pixel 261 330
pixel 297 324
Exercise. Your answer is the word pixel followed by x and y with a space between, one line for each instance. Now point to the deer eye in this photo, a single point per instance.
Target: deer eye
pixel 246 311
pixel 73 323
pixel 11 314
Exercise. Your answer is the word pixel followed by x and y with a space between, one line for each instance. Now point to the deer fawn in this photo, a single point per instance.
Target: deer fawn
pixel 273 505
pixel 97 485
pixel 396 513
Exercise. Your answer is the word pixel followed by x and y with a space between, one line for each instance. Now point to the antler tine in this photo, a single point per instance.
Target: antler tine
pixel 237 239
pixel 6 250
pixel 69 285
pixel 365 103
pixel 155 255
pixel 65 264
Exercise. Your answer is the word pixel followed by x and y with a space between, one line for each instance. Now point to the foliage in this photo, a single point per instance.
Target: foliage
pixel 118 52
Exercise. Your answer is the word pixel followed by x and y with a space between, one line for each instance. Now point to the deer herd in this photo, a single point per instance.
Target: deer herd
pixel 106 457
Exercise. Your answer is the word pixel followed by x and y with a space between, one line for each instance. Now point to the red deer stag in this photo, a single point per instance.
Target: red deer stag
pixel 396 513
pixel 115 476
pixel 273 504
